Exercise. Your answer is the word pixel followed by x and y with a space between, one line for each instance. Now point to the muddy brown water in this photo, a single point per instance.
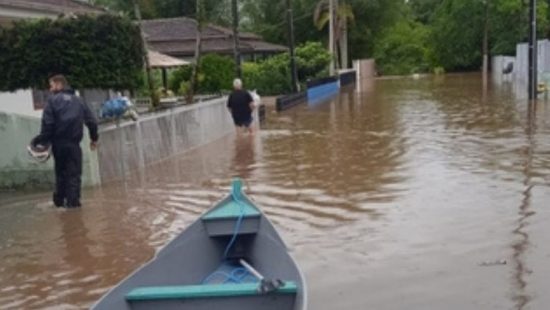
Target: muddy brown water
pixel 418 194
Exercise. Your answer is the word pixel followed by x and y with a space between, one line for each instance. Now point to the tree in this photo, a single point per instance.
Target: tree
pixel 343 16
pixel 403 49
pixel 423 10
pixel 458 45
pixel 198 49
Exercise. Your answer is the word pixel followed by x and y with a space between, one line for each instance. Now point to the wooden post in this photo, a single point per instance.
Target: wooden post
pixel 236 48
pixel 154 98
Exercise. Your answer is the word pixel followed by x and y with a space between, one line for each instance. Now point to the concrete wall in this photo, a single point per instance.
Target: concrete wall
pixel 18 170
pixel 133 145
pixel 366 72
pixel 123 148
pixel 19 102
pixel 521 67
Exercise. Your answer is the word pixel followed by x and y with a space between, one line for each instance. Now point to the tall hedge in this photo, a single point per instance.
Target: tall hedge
pixel 93 52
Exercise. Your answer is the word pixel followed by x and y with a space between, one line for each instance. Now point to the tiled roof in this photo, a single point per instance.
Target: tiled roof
pixel 182 28
pixel 176 37
pixel 54 6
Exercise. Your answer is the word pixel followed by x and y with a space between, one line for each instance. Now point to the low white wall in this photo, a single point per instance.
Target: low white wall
pixel 132 145
pixel 123 148
pixel 18 170
pixel 521 67
pixel 19 102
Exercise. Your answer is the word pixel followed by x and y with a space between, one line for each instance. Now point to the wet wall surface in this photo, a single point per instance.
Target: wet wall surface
pixel 420 194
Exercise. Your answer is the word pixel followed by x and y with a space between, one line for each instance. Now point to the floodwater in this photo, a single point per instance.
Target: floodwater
pixel 418 194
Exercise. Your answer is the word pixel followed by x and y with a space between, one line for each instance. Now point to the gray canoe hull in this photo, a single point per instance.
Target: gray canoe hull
pixel 193 254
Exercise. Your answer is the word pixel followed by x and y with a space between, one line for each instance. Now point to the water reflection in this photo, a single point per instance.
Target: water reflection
pixel 521 295
pixel 244 156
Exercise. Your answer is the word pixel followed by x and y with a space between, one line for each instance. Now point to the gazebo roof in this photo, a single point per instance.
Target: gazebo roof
pixel 159 60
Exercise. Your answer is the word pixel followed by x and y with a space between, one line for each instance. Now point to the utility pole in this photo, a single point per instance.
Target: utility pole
pixel 486 47
pixel 290 23
pixel 331 35
pixel 236 49
pixel 154 99
pixel 532 81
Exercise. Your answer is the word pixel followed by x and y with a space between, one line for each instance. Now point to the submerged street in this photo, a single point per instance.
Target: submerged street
pixel 415 194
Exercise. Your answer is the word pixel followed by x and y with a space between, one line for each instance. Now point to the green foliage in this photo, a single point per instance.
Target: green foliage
pixel 439 70
pixel 184 88
pixel 402 49
pixel 93 52
pixel 458 30
pixel 270 77
pixel 218 73
pixel 455 27
pixel 178 76
pixel 312 60
pixel 423 10
pixel 457 44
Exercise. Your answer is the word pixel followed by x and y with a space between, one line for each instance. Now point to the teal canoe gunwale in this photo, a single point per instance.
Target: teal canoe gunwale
pixel 202 291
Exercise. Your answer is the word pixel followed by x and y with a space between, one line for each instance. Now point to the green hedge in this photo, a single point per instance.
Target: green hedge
pixel 216 73
pixel 269 77
pixel 93 52
pixel 272 76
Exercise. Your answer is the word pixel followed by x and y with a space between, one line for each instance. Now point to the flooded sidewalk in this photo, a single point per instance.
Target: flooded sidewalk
pixel 420 194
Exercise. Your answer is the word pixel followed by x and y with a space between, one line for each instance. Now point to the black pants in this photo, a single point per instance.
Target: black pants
pixel 68 173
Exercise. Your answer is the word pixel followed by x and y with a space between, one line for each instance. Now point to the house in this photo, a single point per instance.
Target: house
pixel 12 10
pixel 177 36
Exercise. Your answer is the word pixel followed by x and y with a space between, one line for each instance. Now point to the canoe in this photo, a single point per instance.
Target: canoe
pixel 230 258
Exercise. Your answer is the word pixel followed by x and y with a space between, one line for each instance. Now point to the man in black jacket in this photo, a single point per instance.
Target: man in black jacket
pixel 63 122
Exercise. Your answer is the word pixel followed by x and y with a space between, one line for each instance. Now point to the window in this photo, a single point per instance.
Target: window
pixel 39 98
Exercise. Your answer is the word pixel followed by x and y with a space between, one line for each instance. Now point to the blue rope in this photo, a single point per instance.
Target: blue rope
pixel 234 194
pixel 234 276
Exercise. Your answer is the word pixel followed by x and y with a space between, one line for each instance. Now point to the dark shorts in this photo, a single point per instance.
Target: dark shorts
pixel 243 122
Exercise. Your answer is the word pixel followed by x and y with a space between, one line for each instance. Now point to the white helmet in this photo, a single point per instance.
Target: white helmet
pixel 39 152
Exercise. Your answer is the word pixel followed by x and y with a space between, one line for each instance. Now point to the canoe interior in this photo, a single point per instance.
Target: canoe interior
pixel 198 252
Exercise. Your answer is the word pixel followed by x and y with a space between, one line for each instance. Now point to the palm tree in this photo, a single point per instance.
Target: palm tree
pixel 343 16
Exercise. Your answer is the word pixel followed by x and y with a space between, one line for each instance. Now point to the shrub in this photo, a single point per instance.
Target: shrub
pixel 93 52
pixel 402 49
pixel 178 76
pixel 272 76
pixel 312 60
pixel 217 73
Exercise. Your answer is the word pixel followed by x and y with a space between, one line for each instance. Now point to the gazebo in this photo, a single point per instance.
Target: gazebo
pixel 161 61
